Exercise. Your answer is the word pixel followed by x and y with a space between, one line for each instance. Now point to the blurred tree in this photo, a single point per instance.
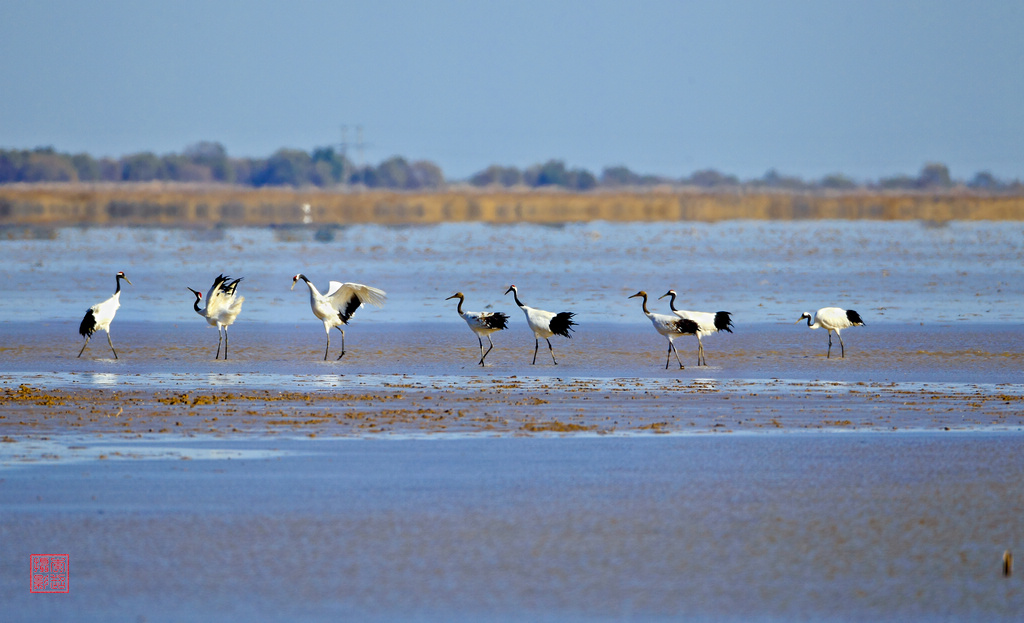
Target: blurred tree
pixel 710 178
pixel 497 175
pixel 551 173
pixel 47 166
pixel 286 167
pixel 934 175
pixel 87 167
pixel 426 174
pixel 983 180
pixel 214 157
pixel 898 182
pixel 581 179
pixel 143 167
pixel 394 173
pixel 837 181
pixel 619 176
pixel 773 179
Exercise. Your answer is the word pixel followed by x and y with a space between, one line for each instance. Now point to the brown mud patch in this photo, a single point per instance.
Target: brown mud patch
pixel 508 407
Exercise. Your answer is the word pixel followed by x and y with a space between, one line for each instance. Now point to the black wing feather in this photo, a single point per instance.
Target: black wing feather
pixel 723 321
pixel 687 326
pixel 495 320
pixel 853 317
pixel 562 324
pixel 350 308
pixel 88 326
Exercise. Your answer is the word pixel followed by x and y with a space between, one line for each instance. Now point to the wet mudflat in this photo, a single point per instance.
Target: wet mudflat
pixel 906 526
pixel 406 482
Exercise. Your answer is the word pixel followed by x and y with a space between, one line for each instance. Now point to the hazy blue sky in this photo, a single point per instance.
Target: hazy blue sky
pixel 866 88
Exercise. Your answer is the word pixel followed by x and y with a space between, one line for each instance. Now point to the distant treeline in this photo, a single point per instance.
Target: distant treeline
pixel 326 167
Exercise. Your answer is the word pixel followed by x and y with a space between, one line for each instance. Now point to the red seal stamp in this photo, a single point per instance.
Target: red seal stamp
pixel 49 573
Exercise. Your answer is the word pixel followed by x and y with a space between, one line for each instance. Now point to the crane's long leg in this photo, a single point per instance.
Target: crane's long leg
pixel 225 343
pixel 328 344
pixel 342 344
pixel 842 347
pixel 828 355
pixel 483 355
pixel 552 351
pixel 672 347
pixel 217 356
pixel 668 354
pixel 87 338
pixel 700 351
pixel 536 345
pixel 111 344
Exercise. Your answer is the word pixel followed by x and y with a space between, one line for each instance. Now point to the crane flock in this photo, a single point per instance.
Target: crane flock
pixel 337 307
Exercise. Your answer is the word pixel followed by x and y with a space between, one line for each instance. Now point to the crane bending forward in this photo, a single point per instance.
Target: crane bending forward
pixel 833 319
pixel 337 307
pixel 98 317
pixel 222 307
pixel 544 324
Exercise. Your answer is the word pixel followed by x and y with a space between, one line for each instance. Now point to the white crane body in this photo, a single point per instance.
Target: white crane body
pixel 669 326
pixel 833 319
pixel 337 307
pixel 99 316
pixel 544 324
pixel 483 324
pixel 707 323
pixel 222 308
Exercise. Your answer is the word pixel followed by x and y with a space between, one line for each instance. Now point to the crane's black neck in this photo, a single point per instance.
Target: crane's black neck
pixel 195 306
pixel 672 301
pixel 515 295
pixel 460 304
pixel 118 279
pixel 645 303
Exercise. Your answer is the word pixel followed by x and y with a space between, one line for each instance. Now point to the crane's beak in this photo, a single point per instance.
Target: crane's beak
pixel 198 295
pixel 664 295
pixel 454 296
pixel 294 281
pixel 510 288
pixel 635 295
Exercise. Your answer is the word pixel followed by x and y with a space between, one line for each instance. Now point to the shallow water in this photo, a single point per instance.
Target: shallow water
pixel 645 513
pixel 724 528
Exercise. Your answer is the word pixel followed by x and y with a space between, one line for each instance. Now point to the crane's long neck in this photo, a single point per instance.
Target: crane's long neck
pixel 515 295
pixel 672 302
pixel 645 305
pixel 460 306
pixel 313 292
pixel 195 306
pixel 117 290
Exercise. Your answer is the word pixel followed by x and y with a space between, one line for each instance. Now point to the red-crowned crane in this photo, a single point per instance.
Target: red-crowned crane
pixel 544 324
pixel 336 307
pixel 482 323
pixel 707 323
pixel 222 307
pixel 833 319
pixel 669 326
pixel 98 317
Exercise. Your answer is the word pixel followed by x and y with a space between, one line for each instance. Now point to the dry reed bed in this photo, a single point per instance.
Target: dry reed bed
pixel 184 205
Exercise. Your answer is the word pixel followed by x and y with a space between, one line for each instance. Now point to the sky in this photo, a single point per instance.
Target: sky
pixel 808 88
